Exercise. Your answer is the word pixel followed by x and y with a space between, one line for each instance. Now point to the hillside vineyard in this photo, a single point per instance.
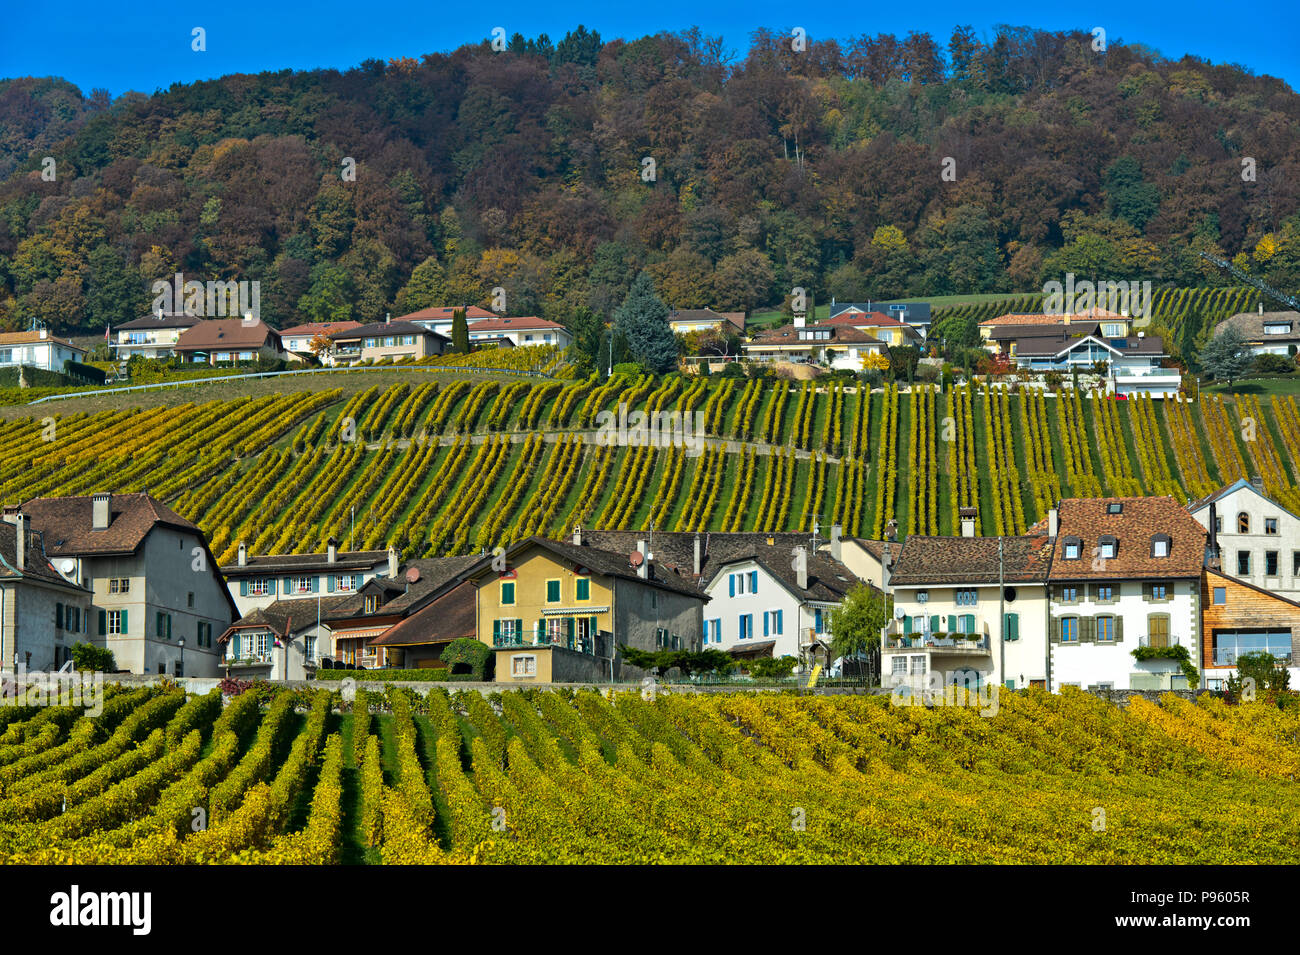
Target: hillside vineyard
pixel 447 465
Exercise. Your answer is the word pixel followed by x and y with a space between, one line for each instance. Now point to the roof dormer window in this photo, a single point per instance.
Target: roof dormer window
pixel 1160 544
pixel 1073 548
pixel 1115 507
pixel 1108 545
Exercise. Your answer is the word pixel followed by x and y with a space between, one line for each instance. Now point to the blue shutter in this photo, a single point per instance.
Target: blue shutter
pixel 235 645
pixel 243 588
pixel 731 585
pixel 288 585
pixel 753 581
pixel 765 624
pixel 779 621
pixel 817 619
pixel 270 587
pixel 315 584
pixel 329 582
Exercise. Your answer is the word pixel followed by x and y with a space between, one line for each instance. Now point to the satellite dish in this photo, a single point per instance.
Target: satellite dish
pixel 636 558
pixel 412 574
pixel 898 613
pixel 68 565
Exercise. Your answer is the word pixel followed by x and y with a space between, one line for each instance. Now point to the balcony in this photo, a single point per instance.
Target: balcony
pixel 577 644
pixel 947 642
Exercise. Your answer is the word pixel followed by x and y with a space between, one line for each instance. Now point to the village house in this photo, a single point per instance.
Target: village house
pixel 522 331
pixel 1266 333
pixel 836 345
pixel 38 349
pixel 685 320
pixel 878 325
pixel 259 581
pixel 42 614
pixel 440 318
pixel 1238 618
pixel 560 610
pixel 1253 537
pixel 385 341
pixel 915 314
pixel 158 597
pixel 279 641
pixel 970 611
pixel 153 336
pixel 222 340
pixel 297 339
pixel 1126 573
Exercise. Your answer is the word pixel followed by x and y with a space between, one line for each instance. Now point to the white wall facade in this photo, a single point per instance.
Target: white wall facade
pixel 1285 543
pixel 257 591
pixel 765 600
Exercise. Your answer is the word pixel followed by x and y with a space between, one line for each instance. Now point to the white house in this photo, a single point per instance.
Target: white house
pixel 37 349
pixel 685 320
pixel 297 339
pixel 256 582
pixel 1266 333
pixel 839 346
pixel 1126 573
pixel 521 331
pixel 970 611
pixel 153 336
pixel 1254 538
pixel 440 318
pixel 42 613
pixel 915 314
pixel 1133 361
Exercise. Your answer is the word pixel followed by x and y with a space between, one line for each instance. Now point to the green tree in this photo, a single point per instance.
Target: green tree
pixel 1227 356
pixel 1266 672
pixel 856 626
pixel 642 321
pixel 459 332
pixel 87 656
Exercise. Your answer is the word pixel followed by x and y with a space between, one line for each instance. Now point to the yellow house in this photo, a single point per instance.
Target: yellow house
pixel 558 612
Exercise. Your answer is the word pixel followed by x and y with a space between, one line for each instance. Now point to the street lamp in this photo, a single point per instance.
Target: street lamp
pixel 181 643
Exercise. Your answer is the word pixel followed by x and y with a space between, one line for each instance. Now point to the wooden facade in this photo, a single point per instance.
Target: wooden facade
pixel 1244 607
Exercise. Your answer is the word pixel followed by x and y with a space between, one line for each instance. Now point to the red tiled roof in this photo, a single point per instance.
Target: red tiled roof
pixel 34 337
pixel 1140 518
pixel 509 324
pixel 227 333
pixel 66 523
pixel 319 328
pixel 1036 318
pixel 445 313
pixel 871 320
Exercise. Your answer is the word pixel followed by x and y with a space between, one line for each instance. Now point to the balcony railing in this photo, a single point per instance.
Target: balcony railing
pixel 577 644
pixel 957 642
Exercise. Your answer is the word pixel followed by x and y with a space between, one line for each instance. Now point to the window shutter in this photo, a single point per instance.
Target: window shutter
pixel 753 581
pixel 235 645
pixel 1012 626
pixel 780 623
pixel 970 623
pixel 519 627
pixel 243 588
pixel 329 584
pixel 103 623
pixel 270 587
pixel 1146 591
pixel 288 585
pixel 1119 629
pixel 58 616
pixel 315 584
pixel 595 629
pixel 907 624
pixel 169 626
pixel 731 585
pixel 1087 629
pixel 568 627
pixel 125 627
pixel 1055 635
pixel 496 631
pixel 765 623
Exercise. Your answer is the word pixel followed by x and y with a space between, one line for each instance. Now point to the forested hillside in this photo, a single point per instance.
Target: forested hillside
pixel 527 169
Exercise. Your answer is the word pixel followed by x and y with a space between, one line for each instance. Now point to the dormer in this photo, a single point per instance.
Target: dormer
pixel 1161 545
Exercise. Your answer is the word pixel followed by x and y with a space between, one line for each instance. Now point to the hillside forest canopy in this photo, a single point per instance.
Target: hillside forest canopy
pixel 527 170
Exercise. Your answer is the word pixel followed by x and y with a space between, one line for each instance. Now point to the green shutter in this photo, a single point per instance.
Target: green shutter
pixel 288 585
pixel 1146 591
pixel 315 584
pixel 569 627
pixel 329 583
pixel 970 623
pixel 907 623
pixel 1087 629
pixel 1119 629
pixel 496 632
pixel 158 624
pixel 243 588
pixel 1055 634
pixel 103 623
pixel 125 626
pixel 934 623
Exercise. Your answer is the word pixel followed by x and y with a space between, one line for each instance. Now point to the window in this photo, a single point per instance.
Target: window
pixel 713 630
pixel 506 631
pixel 1105 629
pixel 661 635
pixel 1270 563
pixel 1073 546
pixel 746 626
pixel 1157 591
pixel 1220 596
pixel 1270 525
pixel 967 598
pixel 654 600
pixel 1230 644
pixel 1160 545
pixel 309 650
pixel 189 599
pixel 119 585
pixel 1113 330
pixel 557 629
pixel 408 339
pixel 1243 563
pixel 1069 629
pixel 1218 524
pixel 771 623
pixel 1277 328
pixel 163 625
pixel 345 582
pixel 116 621
pixel 1107 546
pixel 1011 626
pixel 1158 630
pixel 302 585
pixel 205 633
pixel 523 666
pixel 582 588
pixel 257 587
pixel 552 591
pixel 372 603
pixel 1069 595
pixel 507 593
pixel 917 665
pixel 1105 593
pixel 1243 523
pixel 1295 563
pixel 899 666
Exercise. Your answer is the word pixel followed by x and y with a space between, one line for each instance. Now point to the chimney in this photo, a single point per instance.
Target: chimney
pixel 798 320
pixel 886 568
pixel 1053 523
pixel 1257 482
pixel 1067 318
pixel 11 513
pixel 331 549
pixel 1261 307
pixel 44 334
pixel 967 516
pixel 801 567
pixel 392 562
pixel 643 570
pixel 577 535
pixel 698 562
pixel 100 511
pixel 388 318
pixel 836 549
pixel 243 554
pixel 20 542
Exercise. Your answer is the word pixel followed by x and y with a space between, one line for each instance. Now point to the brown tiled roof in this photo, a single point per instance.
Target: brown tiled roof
pixel 381 330
pixel 871 319
pixel 1140 518
pixel 1036 318
pixel 697 315
pixel 280 616
pixel 840 334
pixel 963 560
pixel 66 522
pixel 445 313
pixel 1068 336
pixel 1251 326
pixel 401 596
pixel 512 323
pixel 34 337
pixel 446 618
pixel 289 563
pixel 36 565
pixel 227 333
pixel 612 564
pixel 168 320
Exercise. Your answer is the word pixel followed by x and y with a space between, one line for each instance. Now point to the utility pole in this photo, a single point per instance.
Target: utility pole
pixel 1002 616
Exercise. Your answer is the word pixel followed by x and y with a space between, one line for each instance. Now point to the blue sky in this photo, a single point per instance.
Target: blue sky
pixel 145 46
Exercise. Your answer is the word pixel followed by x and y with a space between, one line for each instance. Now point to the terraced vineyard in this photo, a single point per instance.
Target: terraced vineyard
pixel 540 777
pixel 446 464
